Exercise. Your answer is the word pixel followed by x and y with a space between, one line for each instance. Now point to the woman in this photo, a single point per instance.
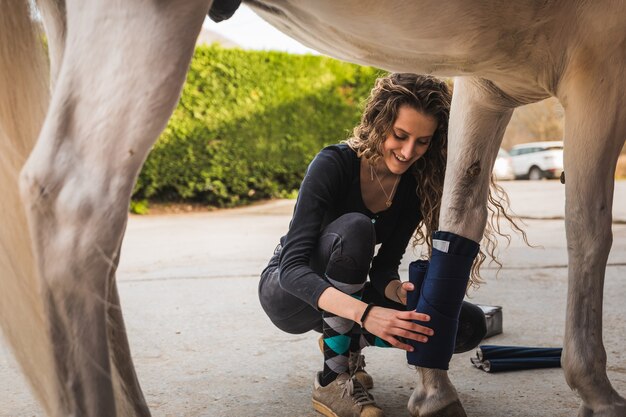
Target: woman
pixel 376 188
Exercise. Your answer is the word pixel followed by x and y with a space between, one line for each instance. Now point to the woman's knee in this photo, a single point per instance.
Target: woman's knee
pixel 349 270
pixel 358 227
pixel 346 251
pixel 356 234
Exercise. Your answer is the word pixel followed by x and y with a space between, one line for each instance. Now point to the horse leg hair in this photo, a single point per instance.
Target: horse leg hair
pixel 131 401
pixel 594 134
pixel 112 97
pixel 479 115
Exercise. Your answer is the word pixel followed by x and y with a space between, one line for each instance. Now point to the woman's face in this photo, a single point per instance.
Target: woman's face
pixel 408 140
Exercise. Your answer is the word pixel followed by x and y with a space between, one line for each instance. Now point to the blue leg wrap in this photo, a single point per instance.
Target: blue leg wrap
pixel 440 287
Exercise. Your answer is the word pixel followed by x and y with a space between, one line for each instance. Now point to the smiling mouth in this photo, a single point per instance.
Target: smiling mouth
pixel 400 158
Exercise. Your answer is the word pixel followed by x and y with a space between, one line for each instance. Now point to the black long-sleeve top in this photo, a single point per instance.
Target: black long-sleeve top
pixel 330 189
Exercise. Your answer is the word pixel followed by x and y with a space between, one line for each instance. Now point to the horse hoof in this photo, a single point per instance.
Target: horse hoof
pixel 454 409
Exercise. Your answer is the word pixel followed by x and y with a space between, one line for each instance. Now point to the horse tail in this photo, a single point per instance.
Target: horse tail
pixel 24 97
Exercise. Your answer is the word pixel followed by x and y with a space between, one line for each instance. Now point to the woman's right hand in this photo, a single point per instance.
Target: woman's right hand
pixel 389 324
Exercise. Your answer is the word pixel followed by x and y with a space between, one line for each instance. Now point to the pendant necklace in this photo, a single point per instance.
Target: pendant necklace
pixel 395 184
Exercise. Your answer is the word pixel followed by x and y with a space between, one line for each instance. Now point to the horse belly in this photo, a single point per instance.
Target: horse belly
pixel 450 38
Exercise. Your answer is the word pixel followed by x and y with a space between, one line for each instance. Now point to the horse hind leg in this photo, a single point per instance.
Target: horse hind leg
pixel 594 134
pixel 112 97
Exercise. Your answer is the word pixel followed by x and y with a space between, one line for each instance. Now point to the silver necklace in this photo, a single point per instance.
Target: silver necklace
pixel 393 190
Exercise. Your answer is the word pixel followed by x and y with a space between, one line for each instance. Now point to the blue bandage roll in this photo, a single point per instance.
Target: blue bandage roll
pixel 417 273
pixel 441 291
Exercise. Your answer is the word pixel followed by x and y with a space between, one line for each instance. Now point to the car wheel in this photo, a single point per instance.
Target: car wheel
pixel 535 174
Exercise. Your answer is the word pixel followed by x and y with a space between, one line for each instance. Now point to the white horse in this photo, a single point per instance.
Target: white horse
pixel 117 67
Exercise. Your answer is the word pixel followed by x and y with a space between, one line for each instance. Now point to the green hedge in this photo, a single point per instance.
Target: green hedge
pixel 248 123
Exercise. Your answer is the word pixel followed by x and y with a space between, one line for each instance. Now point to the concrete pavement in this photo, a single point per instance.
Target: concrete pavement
pixel 203 346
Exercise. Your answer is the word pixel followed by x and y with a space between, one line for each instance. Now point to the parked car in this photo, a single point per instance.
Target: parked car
pixel 537 160
pixel 503 168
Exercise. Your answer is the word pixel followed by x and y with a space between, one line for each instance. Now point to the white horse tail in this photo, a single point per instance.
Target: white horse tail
pixel 24 97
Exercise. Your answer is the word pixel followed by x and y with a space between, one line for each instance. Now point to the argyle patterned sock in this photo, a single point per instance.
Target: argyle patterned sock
pixel 361 338
pixel 337 335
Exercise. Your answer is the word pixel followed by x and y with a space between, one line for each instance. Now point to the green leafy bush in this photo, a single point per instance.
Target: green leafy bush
pixel 249 122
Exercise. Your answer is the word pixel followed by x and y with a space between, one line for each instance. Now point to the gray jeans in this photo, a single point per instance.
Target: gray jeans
pixel 344 252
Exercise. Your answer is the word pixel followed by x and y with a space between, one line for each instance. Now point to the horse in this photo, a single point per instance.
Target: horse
pixel 75 130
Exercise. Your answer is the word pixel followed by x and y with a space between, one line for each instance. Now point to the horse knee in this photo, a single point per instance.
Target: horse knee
pixel 75 225
pixel 36 185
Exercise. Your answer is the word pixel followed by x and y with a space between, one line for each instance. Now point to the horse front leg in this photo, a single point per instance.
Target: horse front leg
pixel 112 97
pixel 479 115
pixel 594 134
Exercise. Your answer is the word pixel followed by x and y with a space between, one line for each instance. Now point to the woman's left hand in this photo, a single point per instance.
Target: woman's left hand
pixel 402 291
pixel 397 291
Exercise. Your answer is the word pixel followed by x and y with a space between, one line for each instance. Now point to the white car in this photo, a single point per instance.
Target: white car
pixel 503 167
pixel 537 160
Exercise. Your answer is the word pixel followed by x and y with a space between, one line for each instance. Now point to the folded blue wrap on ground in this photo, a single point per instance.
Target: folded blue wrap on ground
pixel 441 292
pixel 489 352
pixel 520 364
pixel 492 358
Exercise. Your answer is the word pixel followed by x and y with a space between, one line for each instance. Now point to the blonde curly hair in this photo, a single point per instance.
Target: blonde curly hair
pixel 431 96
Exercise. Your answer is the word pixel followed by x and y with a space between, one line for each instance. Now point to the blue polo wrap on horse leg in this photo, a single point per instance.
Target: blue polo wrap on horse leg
pixel 440 296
